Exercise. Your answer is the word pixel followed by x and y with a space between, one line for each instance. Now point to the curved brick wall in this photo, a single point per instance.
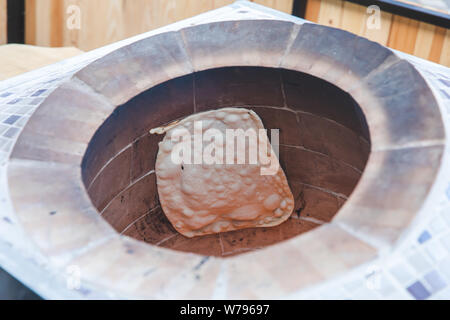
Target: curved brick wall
pixel 324 145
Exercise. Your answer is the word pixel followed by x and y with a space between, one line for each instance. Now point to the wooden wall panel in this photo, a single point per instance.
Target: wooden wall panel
pixel 30 21
pixel 3 23
pixel 400 33
pixel 330 13
pixel 348 16
pixel 445 54
pixel 280 5
pixel 312 10
pixel 106 21
pixel 424 40
pixel 437 45
pixel 125 18
pixel 43 22
pixel 430 42
pixel 354 20
pixel 403 34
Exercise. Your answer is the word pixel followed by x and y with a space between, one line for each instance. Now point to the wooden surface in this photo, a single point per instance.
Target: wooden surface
pixel 107 21
pixel 46 22
pixel 16 58
pixel 3 21
pixel 411 36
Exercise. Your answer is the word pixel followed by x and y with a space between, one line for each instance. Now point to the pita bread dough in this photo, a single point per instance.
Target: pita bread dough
pixel 200 199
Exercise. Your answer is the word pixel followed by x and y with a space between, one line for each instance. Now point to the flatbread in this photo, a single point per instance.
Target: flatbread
pixel 204 198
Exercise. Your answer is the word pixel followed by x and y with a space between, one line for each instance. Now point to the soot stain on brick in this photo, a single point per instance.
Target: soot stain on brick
pixel 202 262
pixel 301 200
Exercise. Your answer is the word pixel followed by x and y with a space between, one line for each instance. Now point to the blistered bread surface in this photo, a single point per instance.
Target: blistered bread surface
pixel 200 199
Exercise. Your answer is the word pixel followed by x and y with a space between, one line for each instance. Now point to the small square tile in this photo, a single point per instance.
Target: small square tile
pixel 9 109
pixel 419 262
pixel 23 110
pixel 11 132
pixel 37 101
pixel 445 240
pixel 3 142
pixel 444 76
pixel 435 281
pixel 445 94
pixel 444 268
pixel 12 119
pixel 445 214
pixel 445 82
pixel 436 251
pixel 21 122
pixel 14 101
pixel 6 94
pixel 418 291
pixel 437 226
pixel 401 273
pixel 38 93
pixel 441 295
pixel 386 287
pixel 7 146
pixel 3 127
pixel 424 236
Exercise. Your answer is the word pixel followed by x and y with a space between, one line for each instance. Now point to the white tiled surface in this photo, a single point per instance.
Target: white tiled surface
pixel 418 268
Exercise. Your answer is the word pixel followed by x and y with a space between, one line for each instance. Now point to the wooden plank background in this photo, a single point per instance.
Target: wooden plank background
pixel 411 36
pixel 3 22
pixel 107 21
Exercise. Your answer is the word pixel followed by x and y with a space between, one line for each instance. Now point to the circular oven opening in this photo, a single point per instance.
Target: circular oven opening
pixel 324 147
